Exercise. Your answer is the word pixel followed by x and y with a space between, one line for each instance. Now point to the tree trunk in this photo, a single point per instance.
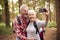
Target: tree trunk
pixel 13 10
pixel 34 5
pixel 7 13
pixel 49 12
pixel 3 15
pixel 54 12
pixel 58 18
pixel 20 3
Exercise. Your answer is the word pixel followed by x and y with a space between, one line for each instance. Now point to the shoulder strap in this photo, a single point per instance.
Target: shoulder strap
pixel 28 22
pixel 18 19
pixel 35 25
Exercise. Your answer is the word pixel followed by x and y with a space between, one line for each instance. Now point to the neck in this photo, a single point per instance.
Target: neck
pixel 23 16
pixel 32 21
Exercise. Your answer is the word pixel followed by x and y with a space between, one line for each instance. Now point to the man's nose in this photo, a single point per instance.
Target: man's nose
pixel 26 12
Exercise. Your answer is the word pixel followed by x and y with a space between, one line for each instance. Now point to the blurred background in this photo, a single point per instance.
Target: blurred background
pixel 9 9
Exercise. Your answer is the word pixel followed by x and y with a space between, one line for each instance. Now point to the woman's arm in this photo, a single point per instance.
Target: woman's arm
pixel 46 15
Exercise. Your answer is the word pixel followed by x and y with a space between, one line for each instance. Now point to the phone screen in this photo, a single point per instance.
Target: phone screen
pixel 41 10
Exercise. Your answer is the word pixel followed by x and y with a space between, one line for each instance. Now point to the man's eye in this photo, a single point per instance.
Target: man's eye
pixel 29 15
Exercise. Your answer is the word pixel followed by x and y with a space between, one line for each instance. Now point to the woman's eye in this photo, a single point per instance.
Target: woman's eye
pixel 30 15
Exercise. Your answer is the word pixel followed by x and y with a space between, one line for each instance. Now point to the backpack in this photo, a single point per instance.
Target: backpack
pixel 35 25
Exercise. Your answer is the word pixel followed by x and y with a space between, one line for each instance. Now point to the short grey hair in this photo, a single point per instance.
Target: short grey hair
pixel 23 6
pixel 33 11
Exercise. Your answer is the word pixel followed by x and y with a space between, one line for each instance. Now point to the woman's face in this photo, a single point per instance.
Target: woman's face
pixel 32 16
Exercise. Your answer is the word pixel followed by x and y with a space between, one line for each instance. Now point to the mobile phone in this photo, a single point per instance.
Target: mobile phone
pixel 41 10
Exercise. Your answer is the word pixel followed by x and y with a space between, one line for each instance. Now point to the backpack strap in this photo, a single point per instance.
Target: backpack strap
pixel 18 19
pixel 12 28
pixel 35 25
pixel 28 22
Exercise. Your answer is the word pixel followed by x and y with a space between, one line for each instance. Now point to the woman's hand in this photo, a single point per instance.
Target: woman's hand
pixel 46 14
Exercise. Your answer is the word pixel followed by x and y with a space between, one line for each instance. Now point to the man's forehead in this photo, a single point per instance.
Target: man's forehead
pixel 25 8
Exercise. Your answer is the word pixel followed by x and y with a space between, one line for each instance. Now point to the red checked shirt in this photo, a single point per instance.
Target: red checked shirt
pixel 20 29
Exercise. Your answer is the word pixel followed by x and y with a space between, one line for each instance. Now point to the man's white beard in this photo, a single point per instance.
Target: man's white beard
pixel 25 16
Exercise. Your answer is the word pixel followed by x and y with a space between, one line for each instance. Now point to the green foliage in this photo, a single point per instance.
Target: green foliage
pixel 16 14
pixel 0 17
pixel 5 30
pixel 0 14
pixel 2 2
pixel 51 24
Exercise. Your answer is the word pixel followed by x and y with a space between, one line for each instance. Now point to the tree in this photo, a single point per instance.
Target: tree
pixel 2 10
pixel 49 12
pixel 20 3
pixel 58 18
pixel 7 13
pixel 13 10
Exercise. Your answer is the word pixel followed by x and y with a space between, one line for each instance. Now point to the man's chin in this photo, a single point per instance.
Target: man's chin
pixel 25 15
pixel 32 20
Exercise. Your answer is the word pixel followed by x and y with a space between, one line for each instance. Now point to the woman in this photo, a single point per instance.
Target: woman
pixel 31 30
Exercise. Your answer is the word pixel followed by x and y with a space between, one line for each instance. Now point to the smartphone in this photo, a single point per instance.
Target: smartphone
pixel 41 10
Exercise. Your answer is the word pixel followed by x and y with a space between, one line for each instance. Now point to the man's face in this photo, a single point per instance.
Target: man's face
pixel 24 11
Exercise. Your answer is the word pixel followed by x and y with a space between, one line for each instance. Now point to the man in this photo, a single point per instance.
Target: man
pixel 20 29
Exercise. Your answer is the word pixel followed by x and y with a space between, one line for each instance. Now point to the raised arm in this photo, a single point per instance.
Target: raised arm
pixel 46 15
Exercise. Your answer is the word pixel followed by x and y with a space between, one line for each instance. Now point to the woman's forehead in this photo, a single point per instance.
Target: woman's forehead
pixel 31 12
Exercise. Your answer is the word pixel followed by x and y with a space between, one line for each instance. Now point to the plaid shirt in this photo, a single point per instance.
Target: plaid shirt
pixel 20 29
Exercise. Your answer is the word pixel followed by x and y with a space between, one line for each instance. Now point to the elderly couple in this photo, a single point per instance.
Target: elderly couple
pixel 24 26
